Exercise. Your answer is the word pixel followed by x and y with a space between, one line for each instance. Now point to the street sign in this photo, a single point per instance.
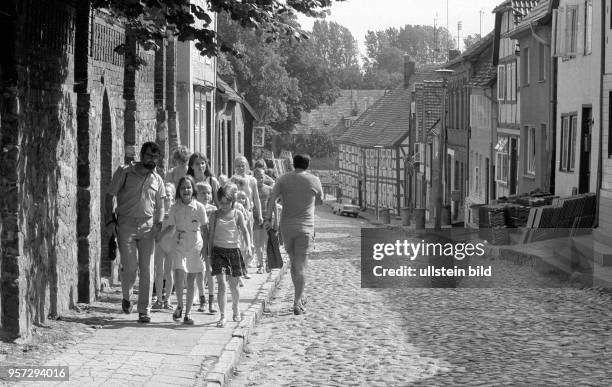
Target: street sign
pixel 259 136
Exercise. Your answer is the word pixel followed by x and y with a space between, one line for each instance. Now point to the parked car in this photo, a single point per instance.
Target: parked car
pixel 345 209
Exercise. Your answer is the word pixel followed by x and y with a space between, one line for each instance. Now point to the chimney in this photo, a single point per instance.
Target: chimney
pixel 409 68
pixel 452 54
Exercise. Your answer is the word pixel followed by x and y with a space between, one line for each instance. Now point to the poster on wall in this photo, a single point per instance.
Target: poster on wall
pixel 259 135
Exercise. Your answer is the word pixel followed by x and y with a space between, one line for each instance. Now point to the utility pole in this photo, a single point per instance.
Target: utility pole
pixel 480 12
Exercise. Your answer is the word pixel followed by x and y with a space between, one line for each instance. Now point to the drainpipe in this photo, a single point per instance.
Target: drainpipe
pixel 599 161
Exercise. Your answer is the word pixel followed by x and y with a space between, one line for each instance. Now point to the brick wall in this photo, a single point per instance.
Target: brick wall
pixel 68 106
pixel 38 178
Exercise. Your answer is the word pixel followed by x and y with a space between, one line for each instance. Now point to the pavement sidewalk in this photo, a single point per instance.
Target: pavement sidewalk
pixel 164 352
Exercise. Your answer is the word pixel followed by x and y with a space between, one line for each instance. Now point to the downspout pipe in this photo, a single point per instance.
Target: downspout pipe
pixel 599 159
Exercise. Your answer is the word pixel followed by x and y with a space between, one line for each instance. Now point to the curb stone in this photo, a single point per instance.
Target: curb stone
pixel 221 371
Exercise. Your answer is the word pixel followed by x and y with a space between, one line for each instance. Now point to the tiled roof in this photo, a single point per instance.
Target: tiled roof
pixel 330 118
pixel 484 74
pixel 385 123
pixel 539 12
pixel 520 8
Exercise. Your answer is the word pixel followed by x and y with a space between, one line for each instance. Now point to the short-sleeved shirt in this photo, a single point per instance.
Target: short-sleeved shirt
pixel 188 217
pixel 138 195
pixel 298 191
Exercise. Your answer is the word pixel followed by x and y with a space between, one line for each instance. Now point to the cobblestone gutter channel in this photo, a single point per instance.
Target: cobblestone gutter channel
pixel 219 372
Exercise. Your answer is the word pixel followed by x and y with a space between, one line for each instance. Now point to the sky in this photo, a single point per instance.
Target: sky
pixel 361 16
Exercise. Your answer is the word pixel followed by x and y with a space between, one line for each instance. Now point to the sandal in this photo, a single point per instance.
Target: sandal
pixel 221 322
pixel 178 312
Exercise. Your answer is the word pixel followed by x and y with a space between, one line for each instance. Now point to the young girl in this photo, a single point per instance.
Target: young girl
pixel 204 191
pixel 188 219
pixel 163 259
pixel 226 225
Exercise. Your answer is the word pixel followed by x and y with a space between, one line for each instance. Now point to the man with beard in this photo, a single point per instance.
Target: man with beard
pixel 136 221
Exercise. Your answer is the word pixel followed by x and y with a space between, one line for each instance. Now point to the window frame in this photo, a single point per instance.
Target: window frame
pixel 530 153
pixel 571 30
pixel 588 27
pixel 525 63
pixel 569 122
pixel 541 62
pixel 501 82
pixel 502 163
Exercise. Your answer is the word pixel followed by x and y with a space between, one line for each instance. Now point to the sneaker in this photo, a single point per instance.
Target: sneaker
pixel 237 317
pixel 178 312
pixel 157 305
pixel 188 320
pixel 260 270
pixel 126 306
pixel 246 276
pixel 144 318
pixel 298 310
pixel 167 306
pixel 153 299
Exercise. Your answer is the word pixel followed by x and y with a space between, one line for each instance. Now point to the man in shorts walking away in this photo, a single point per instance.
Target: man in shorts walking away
pixel 299 191
pixel 137 221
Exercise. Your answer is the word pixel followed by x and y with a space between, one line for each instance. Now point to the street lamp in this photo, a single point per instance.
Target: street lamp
pixel 444 73
pixel 378 147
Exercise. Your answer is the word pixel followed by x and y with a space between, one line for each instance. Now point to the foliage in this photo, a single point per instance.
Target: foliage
pixel 470 40
pixel 152 20
pixel 385 52
pixel 317 144
pixel 279 79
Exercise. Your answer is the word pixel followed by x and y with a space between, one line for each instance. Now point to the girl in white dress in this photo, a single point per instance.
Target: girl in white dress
pixel 188 220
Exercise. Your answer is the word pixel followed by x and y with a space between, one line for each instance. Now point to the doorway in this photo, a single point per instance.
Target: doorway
pixel 106 173
pixel 584 176
pixel 513 166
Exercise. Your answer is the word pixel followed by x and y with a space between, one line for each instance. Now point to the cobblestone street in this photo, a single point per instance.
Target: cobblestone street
pixel 354 336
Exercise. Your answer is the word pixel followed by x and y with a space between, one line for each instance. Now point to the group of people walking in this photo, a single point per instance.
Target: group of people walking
pixel 190 228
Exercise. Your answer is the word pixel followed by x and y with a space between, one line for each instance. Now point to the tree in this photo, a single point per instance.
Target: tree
pixel 337 48
pixel 470 40
pixel 279 79
pixel 152 20
pixel 385 52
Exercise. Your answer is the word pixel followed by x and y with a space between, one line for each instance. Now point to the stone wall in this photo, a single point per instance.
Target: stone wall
pixel 38 178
